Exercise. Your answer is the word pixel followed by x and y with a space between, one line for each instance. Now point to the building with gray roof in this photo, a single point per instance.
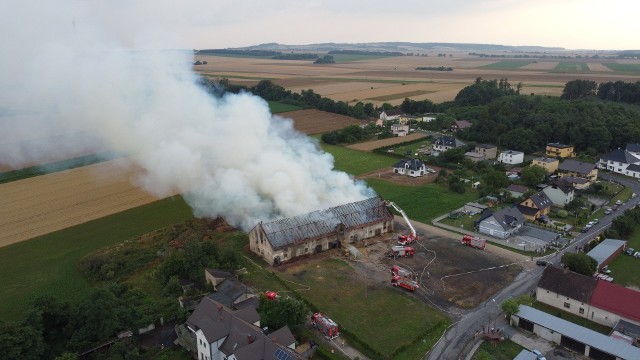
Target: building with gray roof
pixel 221 333
pixel 502 223
pixel 410 167
pixel 285 239
pixel 606 251
pixel 577 338
pixel 619 161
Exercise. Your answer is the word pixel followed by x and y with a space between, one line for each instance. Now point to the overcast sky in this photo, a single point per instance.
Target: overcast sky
pixel 572 24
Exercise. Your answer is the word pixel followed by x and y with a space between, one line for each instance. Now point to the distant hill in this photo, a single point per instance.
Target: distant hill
pixel 400 47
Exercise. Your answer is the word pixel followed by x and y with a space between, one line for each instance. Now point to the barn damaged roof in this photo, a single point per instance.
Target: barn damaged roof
pixel 284 232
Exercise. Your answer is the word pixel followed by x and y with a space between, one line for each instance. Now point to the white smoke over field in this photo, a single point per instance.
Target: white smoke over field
pixel 67 72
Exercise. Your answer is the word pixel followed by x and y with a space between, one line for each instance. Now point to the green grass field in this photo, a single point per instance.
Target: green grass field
pixel 365 312
pixel 506 65
pixel 400 95
pixel 48 265
pixel 572 67
pixel 422 203
pixel 624 267
pixel 278 107
pixel 412 148
pixel 504 350
pixel 357 162
pixel 627 68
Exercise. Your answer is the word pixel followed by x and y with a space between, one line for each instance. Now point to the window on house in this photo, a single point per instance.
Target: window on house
pixel 567 305
pixel 581 311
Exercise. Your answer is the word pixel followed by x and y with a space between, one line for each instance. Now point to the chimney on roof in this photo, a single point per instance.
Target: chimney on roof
pixel 249 338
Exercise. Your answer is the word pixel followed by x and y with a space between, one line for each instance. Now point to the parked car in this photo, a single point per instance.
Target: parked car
pixel 614 207
pixel 630 251
pixel 595 221
pixel 538 354
pixel 590 224
pixel 541 263
pixel 607 211
pixel 619 202
pixel 585 229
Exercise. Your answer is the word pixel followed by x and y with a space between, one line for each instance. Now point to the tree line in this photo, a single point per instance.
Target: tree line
pixel 618 91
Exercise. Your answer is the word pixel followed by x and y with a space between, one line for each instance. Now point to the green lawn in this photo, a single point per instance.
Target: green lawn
pixel 623 196
pixel 572 67
pixel 572 318
pixel 624 268
pixel 504 350
pixel 628 68
pixel 412 148
pixel 357 162
pixel 49 264
pixel 466 221
pixel 278 107
pixel 507 65
pixel 366 310
pixel 422 203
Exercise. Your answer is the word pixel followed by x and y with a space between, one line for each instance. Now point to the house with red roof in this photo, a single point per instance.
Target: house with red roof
pixel 598 300
pixel 611 302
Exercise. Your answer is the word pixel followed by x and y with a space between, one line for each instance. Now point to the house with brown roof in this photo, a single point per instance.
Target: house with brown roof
pixel 566 290
pixel 222 333
pixel 535 206
pixel 574 170
pixel 598 300
pixel 285 239
pixel 460 125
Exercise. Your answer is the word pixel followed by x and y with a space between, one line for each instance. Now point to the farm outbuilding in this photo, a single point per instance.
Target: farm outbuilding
pixel 607 251
pixel 285 239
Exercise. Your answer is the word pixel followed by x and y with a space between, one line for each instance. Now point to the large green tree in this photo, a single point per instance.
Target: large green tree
pixel 282 311
pixel 533 175
pixel 580 263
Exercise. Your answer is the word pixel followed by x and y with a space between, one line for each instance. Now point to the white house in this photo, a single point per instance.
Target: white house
pixel 399 129
pixel 501 224
pixel 444 143
pixel 391 114
pixel 511 157
pixel 410 167
pixel 622 161
pixel 560 193
pixel 224 334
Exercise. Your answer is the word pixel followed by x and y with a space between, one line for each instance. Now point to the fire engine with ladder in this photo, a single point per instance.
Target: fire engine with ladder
pixel 404 239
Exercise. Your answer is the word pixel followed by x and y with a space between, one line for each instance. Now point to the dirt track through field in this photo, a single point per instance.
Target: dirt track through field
pixel 43 204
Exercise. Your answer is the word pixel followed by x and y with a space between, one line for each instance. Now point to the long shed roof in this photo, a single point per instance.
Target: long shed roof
pixel 602 342
pixel 321 223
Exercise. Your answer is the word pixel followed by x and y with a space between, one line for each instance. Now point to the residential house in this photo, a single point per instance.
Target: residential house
pixel 560 193
pixel 511 157
pixel 399 129
pixel 500 224
pixel 607 251
pixel 489 151
pixel 535 206
pixel 517 190
pixel 410 167
pixel 444 143
pixel 281 240
pixel 460 125
pixel 558 150
pixel 221 333
pixel 548 164
pixel 598 300
pixel 572 170
pixel 391 114
pixel 566 290
pixel 587 342
pixel 622 161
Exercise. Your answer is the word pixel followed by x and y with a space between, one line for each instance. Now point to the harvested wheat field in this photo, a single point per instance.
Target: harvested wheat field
pixel 313 122
pixel 371 145
pixel 43 204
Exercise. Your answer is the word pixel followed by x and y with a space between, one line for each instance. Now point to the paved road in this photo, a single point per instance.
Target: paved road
pixel 453 344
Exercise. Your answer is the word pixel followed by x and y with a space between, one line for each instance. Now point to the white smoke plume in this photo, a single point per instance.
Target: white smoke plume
pixel 67 73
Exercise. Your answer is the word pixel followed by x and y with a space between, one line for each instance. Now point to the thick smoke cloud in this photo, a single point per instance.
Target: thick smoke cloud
pixel 68 74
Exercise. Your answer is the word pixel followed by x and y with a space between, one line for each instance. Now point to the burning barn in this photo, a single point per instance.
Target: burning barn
pixel 282 240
